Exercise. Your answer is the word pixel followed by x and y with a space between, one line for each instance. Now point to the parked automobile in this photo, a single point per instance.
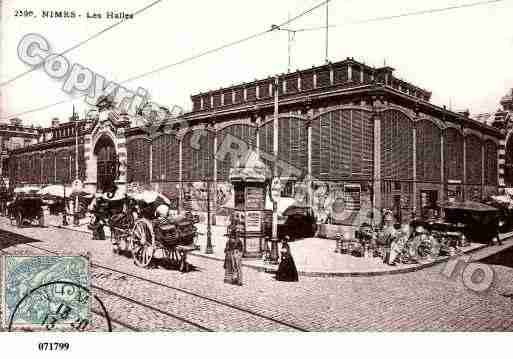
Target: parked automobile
pixel 26 208
pixel 479 222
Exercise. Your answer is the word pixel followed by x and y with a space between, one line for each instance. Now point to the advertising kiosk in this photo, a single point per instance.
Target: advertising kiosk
pixel 249 187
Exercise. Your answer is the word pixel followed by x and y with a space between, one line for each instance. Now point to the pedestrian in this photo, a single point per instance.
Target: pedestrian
pixel 233 257
pixel 499 225
pixel 287 271
pixel 395 243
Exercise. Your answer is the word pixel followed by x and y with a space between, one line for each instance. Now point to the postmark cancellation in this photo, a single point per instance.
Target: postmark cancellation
pixel 45 291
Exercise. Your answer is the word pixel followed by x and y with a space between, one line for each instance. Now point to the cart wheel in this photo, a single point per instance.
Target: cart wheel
pixel 19 219
pixel 143 243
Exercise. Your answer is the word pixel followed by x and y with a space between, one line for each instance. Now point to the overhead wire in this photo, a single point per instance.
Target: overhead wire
pixel 83 42
pixel 187 59
pixel 407 14
pixel 273 28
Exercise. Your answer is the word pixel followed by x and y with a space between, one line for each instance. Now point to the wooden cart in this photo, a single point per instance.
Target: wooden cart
pixel 175 239
pixel 135 229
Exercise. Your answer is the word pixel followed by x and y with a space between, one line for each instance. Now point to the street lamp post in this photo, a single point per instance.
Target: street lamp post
pixel 75 206
pixel 209 249
pixel 275 185
pixel 64 214
pixel 275 195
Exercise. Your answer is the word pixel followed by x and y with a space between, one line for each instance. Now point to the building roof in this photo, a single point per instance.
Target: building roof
pixel 361 74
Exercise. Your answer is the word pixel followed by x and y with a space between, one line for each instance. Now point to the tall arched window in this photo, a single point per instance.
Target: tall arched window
pixel 165 158
pixel 198 155
pixel 138 160
pixel 491 164
pixel 342 144
pixel 396 146
pixel 473 154
pixel 453 154
pixel 428 159
pixel 293 143
pixel 243 132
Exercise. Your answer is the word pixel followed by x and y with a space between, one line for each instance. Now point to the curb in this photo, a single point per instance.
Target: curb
pixel 73 229
pixel 273 268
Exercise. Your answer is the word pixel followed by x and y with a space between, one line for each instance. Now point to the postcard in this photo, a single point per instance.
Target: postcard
pixel 255 167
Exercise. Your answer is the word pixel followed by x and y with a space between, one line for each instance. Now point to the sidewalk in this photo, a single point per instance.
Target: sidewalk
pixel 316 257
pixel 313 256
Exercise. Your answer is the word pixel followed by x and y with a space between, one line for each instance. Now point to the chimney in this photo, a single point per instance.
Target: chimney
pixel 55 122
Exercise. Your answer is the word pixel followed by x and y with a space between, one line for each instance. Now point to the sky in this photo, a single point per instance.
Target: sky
pixel 463 56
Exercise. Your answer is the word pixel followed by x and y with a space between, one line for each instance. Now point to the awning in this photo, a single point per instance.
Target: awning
pixel 151 197
pixel 469 206
pixel 502 199
pixel 283 204
pixel 27 189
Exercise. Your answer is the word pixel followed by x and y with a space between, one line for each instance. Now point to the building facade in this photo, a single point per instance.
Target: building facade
pixel 503 120
pixel 345 137
pixel 13 135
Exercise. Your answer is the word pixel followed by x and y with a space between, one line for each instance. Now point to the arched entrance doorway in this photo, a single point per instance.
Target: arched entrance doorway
pixel 106 163
pixel 508 167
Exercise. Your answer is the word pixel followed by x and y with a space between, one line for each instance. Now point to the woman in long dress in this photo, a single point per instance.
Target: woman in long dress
pixel 287 271
pixel 233 261
pixel 228 265
pixel 233 257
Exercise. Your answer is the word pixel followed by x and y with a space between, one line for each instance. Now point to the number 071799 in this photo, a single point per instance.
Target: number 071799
pixel 55 346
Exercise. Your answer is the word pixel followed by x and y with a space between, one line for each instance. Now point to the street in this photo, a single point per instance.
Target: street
pixel 165 299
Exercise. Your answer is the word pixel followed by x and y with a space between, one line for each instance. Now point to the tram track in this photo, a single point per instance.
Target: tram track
pixel 131 302
pixel 182 295
pixel 119 322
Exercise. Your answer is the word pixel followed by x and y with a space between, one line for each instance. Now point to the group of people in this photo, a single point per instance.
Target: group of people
pixel 286 272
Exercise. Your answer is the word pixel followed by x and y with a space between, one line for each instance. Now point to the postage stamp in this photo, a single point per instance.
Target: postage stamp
pixel 45 291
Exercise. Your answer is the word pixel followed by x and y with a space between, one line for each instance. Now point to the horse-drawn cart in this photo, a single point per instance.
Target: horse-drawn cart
pixel 137 229
pixel 175 238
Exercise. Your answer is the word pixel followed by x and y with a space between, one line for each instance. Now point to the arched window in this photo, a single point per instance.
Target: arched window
pixel 491 164
pixel 453 154
pixel 138 160
pixel 293 143
pixel 198 155
pixel 165 158
pixel 342 144
pixel 428 159
pixel 473 154
pixel 242 132
pixel 396 146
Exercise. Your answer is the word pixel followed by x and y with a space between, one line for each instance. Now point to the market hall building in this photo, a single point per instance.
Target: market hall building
pixel 356 137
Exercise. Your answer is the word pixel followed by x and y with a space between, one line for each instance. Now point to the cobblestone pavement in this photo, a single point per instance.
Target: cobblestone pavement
pixel 164 299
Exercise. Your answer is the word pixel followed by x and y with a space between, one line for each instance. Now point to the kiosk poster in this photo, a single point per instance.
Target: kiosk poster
pixel 252 246
pixel 243 193
pixel 352 198
pixel 253 221
pixel 254 198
